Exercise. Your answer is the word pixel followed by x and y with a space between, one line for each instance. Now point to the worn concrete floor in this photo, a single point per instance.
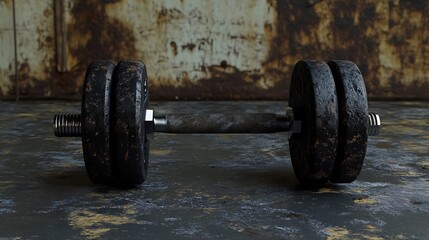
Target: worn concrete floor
pixel 211 186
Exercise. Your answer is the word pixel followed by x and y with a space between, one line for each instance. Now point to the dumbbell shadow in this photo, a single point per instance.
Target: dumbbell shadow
pixel 327 117
pixel 66 177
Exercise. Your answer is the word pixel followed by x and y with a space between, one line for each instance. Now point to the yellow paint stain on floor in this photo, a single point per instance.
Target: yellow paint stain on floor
pixel 102 198
pixel 371 228
pixel 337 233
pixel 130 209
pixel 365 201
pixel 408 173
pixel 26 115
pixel 341 233
pixel 356 190
pixel 160 152
pixel 67 165
pixel 94 233
pixel 372 237
pixel 328 190
pixel 93 225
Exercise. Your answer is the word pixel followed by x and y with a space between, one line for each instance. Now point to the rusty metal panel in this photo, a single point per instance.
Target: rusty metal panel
pixel 246 49
pixel 7 53
pixel 389 40
pixel 35 47
pixel 220 49
pixel 192 49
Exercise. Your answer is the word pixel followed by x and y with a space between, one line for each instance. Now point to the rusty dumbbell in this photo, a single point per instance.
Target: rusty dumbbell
pixel 327 116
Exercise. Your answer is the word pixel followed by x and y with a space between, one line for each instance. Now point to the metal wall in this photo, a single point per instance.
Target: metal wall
pixel 212 49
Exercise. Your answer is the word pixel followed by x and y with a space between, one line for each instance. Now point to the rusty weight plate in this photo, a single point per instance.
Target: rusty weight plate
pixel 129 108
pixel 353 121
pixel 96 135
pixel 314 102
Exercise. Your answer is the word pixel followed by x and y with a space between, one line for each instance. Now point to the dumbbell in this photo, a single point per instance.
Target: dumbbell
pixel 327 118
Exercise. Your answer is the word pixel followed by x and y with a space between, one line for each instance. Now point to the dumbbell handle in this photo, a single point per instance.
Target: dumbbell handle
pixel 223 123
pixel 69 124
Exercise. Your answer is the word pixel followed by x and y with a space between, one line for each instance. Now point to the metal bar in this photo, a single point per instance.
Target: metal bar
pixel 70 124
pixel 223 123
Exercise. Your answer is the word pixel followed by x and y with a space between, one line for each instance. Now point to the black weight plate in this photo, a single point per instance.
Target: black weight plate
pixel 314 103
pixel 353 121
pixel 96 133
pixel 130 102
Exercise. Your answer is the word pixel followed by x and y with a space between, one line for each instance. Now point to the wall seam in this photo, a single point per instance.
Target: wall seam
pixel 15 52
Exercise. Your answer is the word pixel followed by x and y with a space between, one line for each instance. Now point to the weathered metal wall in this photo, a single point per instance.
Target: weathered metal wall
pixel 212 49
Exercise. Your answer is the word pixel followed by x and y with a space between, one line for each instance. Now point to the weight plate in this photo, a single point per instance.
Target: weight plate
pixel 353 121
pixel 314 103
pixel 96 133
pixel 130 102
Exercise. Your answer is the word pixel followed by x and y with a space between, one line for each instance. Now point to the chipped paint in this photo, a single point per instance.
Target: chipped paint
pixel 328 190
pixel 371 228
pixel 337 233
pixel 365 201
pixel 160 152
pixel 357 190
pixel 7 54
pixel 366 32
pixel 94 225
pixel 36 47
pixel 200 47
pixel 342 233
pixel 369 237
pixel 207 50
pixel 408 173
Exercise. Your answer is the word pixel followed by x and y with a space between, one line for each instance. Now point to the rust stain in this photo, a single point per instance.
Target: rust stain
pixel 94 36
pixel 174 46
pixel 366 32
pixel 224 82
pixel 7 66
pixel 31 85
pixel 388 40
pixel 189 46
pixel 166 15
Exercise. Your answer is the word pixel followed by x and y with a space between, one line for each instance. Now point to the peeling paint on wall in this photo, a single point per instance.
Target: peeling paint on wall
pixel 36 47
pixel 387 39
pixel 191 49
pixel 221 50
pixel 7 55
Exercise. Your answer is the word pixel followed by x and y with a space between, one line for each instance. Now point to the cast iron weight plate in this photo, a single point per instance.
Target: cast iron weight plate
pixel 129 109
pixel 314 101
pixel 96 135
pixel 353 121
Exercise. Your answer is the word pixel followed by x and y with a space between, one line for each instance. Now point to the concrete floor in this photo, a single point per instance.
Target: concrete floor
pixel 211 186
